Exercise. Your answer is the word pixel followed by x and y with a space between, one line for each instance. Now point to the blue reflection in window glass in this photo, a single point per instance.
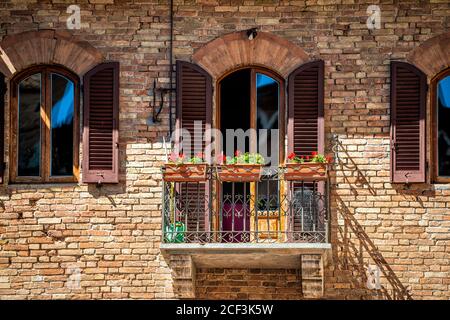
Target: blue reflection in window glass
pixel 62 126
pixel 444 92
pixel 267 105
pixel 263 80
pixel 443 133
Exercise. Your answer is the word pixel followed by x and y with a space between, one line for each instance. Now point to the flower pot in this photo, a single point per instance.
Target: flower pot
pixel 307 171
pixel 174 232
pixel 239 172
pixel 186 172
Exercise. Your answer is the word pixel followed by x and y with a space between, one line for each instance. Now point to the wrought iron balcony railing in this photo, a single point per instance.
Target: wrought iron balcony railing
pixel 272 210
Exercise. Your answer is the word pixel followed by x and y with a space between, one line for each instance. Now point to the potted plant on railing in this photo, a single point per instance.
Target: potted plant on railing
pixel 243 167
pixel 182 169
pixel 303 168
pixel 174 232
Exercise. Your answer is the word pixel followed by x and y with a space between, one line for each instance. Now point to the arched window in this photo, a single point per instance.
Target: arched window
pixel 441 103
pixel 253 98
pixel 44 125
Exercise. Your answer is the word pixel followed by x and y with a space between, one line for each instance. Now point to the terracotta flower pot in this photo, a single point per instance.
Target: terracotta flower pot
pixel 306 171
pixel 186 172
pixel 239 172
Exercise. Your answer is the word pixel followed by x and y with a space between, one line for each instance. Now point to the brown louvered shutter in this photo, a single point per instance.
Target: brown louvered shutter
pixel 101 124
pixel 2 125
pixel 194 103
pixel 305 107
pixel 408 99
pixel 194 98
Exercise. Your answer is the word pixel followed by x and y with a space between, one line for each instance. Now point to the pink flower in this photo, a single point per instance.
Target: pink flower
pixel 221 158
pixel 173 157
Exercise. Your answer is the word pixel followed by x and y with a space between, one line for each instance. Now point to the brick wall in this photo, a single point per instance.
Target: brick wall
pixel 109 237
pixel 248 284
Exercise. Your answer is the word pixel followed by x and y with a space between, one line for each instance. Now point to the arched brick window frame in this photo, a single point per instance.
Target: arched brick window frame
pixel 234 50
pixel 21 51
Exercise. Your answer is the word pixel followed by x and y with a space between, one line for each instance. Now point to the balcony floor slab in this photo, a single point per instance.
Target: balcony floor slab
pixel 247 255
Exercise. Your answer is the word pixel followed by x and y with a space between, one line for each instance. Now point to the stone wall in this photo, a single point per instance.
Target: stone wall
pixel 109 237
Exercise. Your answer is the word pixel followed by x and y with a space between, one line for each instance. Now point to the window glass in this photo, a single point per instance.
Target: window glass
pixel 267 105
pixel 444 126
pixel 267 117
pixel 62 104
pixel 29 126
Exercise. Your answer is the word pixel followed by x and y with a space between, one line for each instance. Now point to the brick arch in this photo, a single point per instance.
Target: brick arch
pixel 234 50
pixel 433 55
pixel 20 51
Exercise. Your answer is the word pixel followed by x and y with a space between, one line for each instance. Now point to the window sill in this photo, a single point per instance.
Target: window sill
pixel 441 185
pixel 40 185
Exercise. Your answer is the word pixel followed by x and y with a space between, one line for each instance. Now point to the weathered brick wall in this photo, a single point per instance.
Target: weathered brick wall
pixel 112 234
pixel 248 284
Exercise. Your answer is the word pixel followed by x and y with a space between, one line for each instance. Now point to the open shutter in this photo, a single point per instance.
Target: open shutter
pixel 101 124
pixel 2 125
pixel 305 109
pixel 194 103
pixel 305 122
pixel 408 99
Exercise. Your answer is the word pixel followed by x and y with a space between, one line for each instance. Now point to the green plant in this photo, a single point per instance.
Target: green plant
pixel 244 158
pixel 181 159
pixel 314 158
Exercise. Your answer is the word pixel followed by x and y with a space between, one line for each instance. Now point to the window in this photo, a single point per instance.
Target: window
pixel 254 94
pixel 441 101
pixel 44 125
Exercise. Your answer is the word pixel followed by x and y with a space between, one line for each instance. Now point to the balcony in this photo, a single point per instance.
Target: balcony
pixel 246 224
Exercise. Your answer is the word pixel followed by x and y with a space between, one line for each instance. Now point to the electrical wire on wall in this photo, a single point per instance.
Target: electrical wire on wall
pixel 171 68
pixel 154 90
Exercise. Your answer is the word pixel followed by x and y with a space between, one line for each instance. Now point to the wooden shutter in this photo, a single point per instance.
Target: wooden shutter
pixel 305 109
pixel 2 125
pixel 305 121
pixel 408 99
pixel 194 100
pixel 101 124
pixel 194 103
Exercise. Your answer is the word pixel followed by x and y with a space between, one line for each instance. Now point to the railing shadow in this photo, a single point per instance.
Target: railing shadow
pixel 361 179
pixel 349 256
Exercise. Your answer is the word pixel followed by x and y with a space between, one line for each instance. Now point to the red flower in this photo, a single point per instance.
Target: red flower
pixel 291 156
pixel 237 153
pixel 221 159
pixel 307 158
pixel 314 153
pixel 200 155
pixel 181 156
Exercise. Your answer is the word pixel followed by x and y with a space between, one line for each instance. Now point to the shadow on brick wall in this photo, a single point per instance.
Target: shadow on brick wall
pixel 107 190
pixel 360 181
pixel 415 192
pixel 353 249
